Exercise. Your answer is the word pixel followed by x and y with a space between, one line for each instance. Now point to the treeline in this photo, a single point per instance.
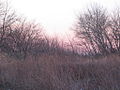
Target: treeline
pixel 99 30
pixel 20 38
pixel 98 33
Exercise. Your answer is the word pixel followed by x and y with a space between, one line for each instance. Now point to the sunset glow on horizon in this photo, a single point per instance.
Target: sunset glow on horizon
pixel 56 16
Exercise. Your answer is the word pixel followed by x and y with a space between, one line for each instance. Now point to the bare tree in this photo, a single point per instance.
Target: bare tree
pixel 92 27
pixel 7 19
pixel 24 35
pixel 115 29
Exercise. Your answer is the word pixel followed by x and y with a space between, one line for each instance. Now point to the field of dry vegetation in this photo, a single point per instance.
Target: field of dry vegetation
pixel 54 72
pixel 29 60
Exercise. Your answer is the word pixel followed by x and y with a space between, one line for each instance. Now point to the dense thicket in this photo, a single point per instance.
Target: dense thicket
pixel 20 38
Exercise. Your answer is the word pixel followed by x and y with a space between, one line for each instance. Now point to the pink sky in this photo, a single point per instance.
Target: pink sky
pixel 56 16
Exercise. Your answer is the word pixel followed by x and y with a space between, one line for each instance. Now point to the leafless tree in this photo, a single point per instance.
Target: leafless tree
pixel 92 26
pixel 115 29
pixel 24 35
pixel 7 19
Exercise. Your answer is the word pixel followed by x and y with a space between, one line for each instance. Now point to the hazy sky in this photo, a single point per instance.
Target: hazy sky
pixel 56 16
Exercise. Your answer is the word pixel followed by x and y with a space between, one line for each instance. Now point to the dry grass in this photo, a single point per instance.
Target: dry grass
pixel 55 72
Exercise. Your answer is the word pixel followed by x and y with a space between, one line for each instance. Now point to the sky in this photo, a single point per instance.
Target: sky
pixel 56 16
